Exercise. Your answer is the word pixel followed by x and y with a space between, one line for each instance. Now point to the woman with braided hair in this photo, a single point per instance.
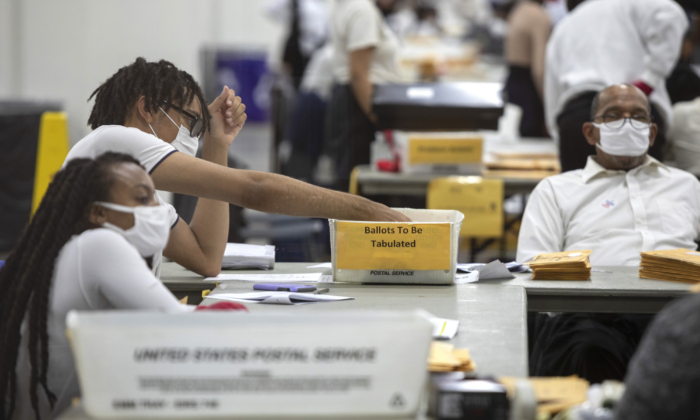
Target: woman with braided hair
pixel 86 248
pixel 154 110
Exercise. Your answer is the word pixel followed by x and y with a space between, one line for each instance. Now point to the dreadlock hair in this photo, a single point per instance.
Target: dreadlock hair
pixel 26 277
pixel 161 83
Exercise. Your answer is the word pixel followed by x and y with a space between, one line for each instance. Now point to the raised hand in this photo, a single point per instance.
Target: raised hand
pixel 227 117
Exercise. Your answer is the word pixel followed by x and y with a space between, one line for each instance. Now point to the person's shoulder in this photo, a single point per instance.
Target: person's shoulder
pixel 119 132
pixel 354 8
pixel 532 11
pixel 683 314
pixel 105 242
pixel 681 175
pixel 563 180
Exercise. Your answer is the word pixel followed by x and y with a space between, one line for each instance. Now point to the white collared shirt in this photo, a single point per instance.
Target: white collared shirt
pixel 616 214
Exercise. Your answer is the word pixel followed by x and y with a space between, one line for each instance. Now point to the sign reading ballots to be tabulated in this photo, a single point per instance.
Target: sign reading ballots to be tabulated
pixel 387 246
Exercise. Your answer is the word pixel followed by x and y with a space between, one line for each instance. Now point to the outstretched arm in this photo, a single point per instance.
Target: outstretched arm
pixel 265 192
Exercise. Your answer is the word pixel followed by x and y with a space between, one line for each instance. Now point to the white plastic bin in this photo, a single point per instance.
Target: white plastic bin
pixel 423 251
pixel 280 364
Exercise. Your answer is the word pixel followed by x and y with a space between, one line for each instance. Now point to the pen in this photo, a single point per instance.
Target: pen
pixel 321 291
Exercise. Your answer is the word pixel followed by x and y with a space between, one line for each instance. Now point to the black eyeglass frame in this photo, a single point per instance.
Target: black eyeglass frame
pixel 625 120
pixel 197 126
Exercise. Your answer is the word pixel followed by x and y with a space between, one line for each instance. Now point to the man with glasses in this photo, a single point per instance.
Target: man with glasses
pixel 600 43
pixel 622 203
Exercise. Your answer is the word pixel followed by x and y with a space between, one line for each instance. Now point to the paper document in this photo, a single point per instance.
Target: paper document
pixel 262 278
pixel 278 298
pixel 494 270
pixel 241 256
pixel 472 277
pixel 468 267
pixel 322 265
pixel 444 328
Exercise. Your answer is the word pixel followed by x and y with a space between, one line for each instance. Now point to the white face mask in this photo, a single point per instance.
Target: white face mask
pixel 151 227
pixel 183 142
pixel 624 141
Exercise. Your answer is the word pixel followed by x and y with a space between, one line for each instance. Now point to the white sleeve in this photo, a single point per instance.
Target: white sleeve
pixel 118 272
pixel 362 28
pixel 146 148
pixel 551 89
pixel 662 24
pixel 173 217
pixel 542 228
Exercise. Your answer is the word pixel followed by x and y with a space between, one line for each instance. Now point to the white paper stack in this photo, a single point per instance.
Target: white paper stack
pixel 244 256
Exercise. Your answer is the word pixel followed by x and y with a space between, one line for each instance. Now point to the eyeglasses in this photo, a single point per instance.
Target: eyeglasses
pixel 616 122
pixel 197 123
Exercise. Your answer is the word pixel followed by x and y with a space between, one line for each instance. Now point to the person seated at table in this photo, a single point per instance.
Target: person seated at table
pixel 152 110
pixel 87 248
pixel 663 381
pixel 622 203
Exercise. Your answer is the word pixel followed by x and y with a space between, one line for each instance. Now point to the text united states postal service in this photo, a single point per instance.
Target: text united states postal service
pixel 386 246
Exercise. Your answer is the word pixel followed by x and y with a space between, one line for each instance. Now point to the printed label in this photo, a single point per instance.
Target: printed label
pixel 438 151
pixel 391 246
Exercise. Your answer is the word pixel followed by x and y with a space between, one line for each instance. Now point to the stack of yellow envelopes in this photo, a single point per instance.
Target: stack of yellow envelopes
pixel 445 358
pixel 553 394
pixel 672 265
pixel 569 265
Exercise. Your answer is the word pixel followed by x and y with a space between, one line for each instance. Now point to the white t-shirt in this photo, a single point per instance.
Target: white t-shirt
pixel 358 24
pixel 617 214
pixel 144 147
pixel 95 270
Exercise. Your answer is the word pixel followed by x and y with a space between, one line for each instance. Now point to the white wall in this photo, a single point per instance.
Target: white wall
pixel 61 50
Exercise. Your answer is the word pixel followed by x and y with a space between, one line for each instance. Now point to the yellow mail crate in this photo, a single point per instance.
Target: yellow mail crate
pixel 479 199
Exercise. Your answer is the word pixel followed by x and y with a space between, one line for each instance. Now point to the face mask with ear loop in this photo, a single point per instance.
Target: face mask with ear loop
pixel 183 142
pixel 624 141
pixel 151 227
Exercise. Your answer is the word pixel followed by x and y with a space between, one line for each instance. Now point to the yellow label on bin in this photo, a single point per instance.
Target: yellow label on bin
pixel 437 151
pixel 392 246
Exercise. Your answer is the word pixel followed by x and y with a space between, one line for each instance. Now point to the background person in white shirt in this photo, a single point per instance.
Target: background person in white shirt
pixel 365 54
pixel 604 42
pixel 623 203
pixel 685 136
pixel 152 111
pixel 83 250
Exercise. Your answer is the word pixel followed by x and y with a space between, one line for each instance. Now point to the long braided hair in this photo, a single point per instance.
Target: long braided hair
pixel 26 277
pixel 161 83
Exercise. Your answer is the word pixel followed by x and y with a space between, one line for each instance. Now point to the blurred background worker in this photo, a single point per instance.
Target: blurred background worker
pixel 307 31
pixel 365 54
pixel 601 43
pixel 529 27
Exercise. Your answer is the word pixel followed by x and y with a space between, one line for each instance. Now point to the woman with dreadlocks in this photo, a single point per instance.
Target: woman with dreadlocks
pixel 153 110
pixel 86 248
